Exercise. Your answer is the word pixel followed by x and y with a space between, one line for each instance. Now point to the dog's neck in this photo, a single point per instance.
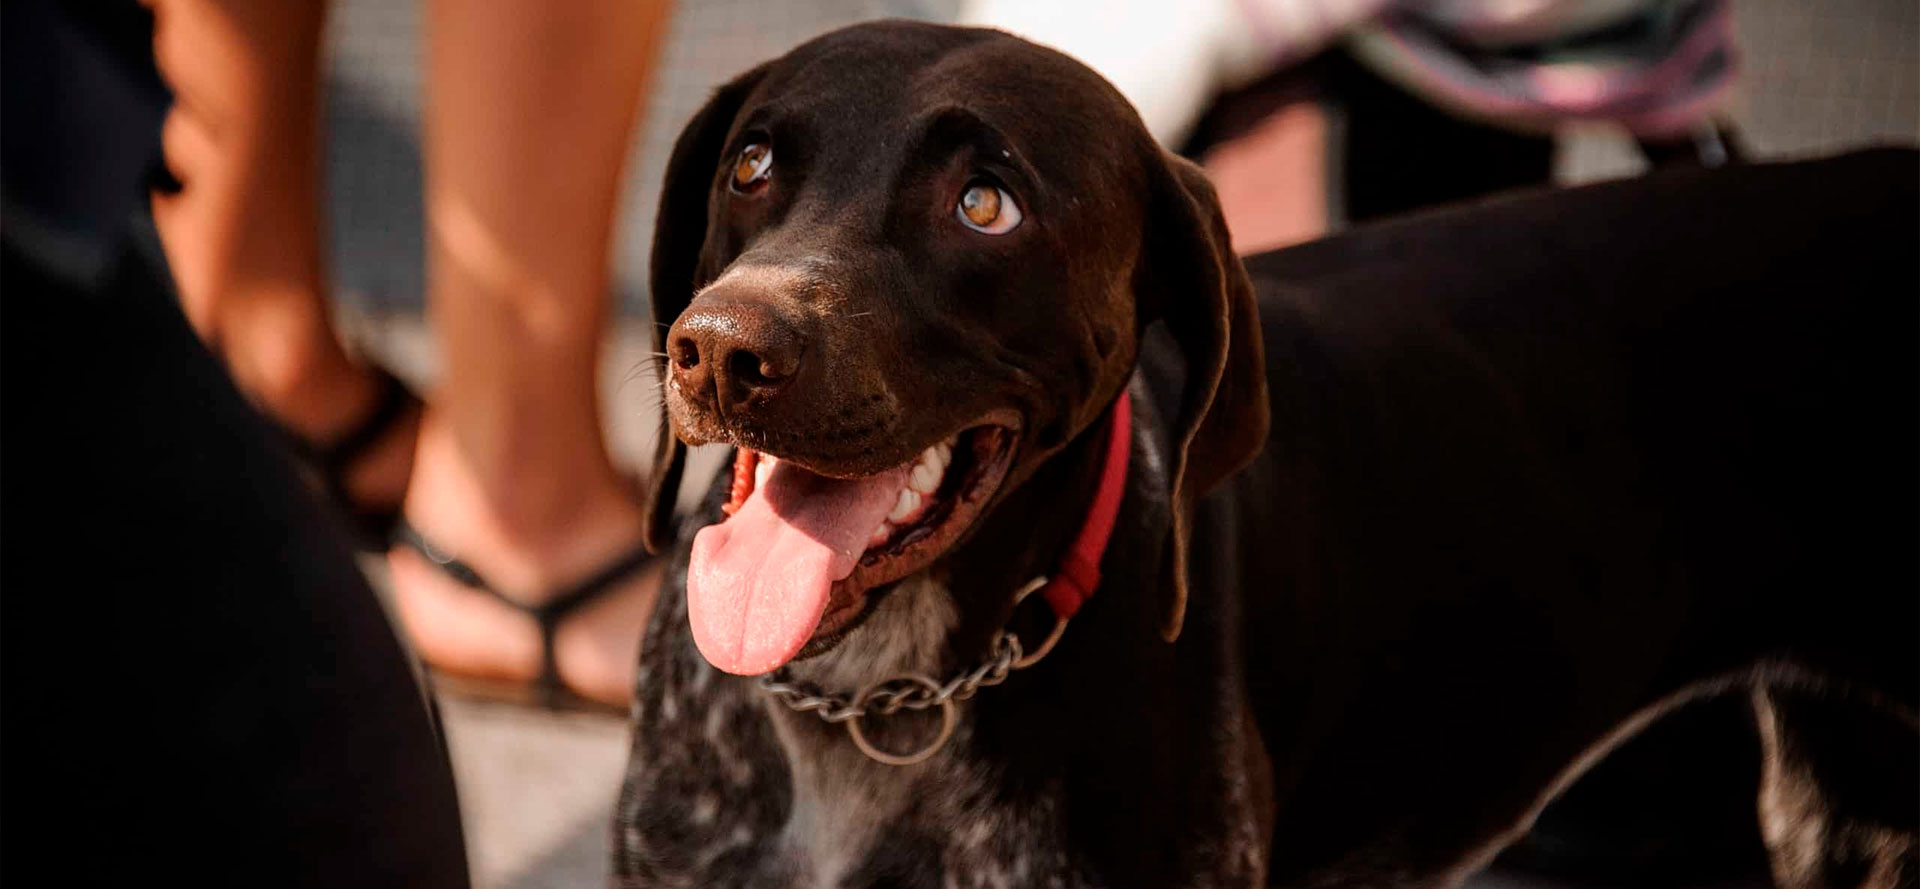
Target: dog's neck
pixel 907 633
pixel 843 801
pixel 936 624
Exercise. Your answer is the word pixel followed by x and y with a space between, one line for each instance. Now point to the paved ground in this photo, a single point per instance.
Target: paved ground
pixel 537 789
pixel 537 792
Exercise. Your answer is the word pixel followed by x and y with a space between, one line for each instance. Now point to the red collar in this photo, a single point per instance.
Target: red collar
pixel 1078 574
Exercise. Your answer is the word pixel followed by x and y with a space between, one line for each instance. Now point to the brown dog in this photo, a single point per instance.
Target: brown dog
pixel 1506 518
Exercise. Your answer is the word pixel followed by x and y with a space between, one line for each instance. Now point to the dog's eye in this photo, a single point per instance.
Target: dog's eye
pixel 985 207
pixel 753 167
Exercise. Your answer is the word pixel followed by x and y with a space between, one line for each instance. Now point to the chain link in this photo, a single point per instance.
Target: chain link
pixel 894 695
pixel 915 692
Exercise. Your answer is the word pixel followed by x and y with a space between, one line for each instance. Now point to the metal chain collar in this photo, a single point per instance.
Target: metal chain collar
pixel 914 691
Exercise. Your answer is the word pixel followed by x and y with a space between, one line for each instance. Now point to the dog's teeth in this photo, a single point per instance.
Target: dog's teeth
pixel 880 534
pixel 945 452
pixel 761 470
pixel 925 478
pixel 908 502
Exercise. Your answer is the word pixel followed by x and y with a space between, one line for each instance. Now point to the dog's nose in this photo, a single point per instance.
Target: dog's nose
pixel 740 352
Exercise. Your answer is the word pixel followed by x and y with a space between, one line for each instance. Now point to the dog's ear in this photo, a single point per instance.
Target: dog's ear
pixel 1202 294
pixel 679 233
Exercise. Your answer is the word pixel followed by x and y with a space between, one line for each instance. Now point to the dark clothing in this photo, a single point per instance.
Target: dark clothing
pixel 198 682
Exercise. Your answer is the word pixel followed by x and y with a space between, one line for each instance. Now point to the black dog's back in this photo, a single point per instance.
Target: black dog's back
pixel 1543 466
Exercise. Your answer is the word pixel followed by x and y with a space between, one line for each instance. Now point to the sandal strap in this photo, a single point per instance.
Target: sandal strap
pixel 328 462
pixel 394 399
pixel 547 616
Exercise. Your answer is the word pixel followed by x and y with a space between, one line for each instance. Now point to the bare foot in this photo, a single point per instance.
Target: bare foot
pixel 466 632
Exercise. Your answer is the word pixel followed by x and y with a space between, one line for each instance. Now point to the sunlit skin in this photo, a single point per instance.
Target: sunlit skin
pixel 509 469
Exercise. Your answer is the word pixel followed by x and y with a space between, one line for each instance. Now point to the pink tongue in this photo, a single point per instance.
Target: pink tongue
pixel 759 582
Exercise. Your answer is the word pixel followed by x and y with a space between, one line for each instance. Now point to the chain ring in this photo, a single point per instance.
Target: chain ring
pixel 1053 638
pixel 949 720
pixel 922 695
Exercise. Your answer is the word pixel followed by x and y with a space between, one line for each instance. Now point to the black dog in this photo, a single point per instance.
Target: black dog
pixel 1540 471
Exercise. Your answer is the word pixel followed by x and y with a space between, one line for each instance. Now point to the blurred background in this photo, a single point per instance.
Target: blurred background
pixel 1818 77
pixel 536 788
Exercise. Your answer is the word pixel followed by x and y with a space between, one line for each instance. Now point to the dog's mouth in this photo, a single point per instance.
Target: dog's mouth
pixel 802 557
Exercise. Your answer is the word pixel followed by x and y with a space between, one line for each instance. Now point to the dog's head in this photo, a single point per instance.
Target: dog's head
pixel 900 268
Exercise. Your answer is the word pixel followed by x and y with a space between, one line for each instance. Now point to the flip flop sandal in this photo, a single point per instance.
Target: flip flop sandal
pixel 328 463
pixel 546 690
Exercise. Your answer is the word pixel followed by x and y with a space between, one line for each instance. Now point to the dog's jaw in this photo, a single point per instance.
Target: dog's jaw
pixel 907 632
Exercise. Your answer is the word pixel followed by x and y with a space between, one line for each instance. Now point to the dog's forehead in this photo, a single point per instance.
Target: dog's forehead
pixel 868 80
